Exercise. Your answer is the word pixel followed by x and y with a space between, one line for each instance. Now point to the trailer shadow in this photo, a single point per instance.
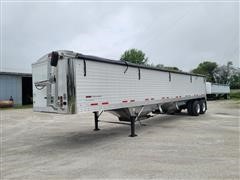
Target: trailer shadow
pixel 94 139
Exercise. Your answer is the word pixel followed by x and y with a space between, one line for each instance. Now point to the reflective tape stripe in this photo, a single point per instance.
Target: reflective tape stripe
pixel 94 104
pixel 105 103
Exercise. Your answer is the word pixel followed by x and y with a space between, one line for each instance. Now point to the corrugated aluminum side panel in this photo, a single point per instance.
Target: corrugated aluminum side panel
pixel 106 86
pixel 209 87
pixel 220 89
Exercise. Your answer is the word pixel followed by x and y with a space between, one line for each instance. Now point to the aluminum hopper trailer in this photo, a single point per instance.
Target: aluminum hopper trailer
pixel 215 91
pixel 68 82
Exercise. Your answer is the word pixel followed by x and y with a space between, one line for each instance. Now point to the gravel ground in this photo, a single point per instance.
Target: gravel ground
pixel 53 146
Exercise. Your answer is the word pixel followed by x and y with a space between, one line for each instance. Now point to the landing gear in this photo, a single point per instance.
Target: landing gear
pixel 132 127
pixel 133 119
pixel 96 116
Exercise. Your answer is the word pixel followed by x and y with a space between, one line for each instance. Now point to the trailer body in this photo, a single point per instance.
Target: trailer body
pixel 215 90
pixel 68 82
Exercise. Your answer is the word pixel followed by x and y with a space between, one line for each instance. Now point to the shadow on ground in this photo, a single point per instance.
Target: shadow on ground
pixel 83 139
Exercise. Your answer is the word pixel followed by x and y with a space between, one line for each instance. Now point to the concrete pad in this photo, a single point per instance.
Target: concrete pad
pixel 54 146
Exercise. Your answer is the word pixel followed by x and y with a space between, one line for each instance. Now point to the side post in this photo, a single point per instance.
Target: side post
pixel 132 127
pixel 96 115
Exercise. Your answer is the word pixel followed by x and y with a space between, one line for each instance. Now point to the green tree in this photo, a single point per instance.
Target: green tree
pixel 206 68
pixel 235 81
pixel 134 56
pixel 222 74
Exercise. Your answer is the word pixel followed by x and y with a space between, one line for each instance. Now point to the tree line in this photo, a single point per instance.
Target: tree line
pixel 223 74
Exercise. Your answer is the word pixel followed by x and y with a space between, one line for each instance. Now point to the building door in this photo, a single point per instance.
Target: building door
pixel 27 90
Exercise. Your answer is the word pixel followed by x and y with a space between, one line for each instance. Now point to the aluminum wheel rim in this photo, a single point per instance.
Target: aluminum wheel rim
pixel 203 107
pixel 198 108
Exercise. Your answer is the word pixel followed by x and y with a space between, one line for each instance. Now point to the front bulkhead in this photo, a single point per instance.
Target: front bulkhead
pixel 53 84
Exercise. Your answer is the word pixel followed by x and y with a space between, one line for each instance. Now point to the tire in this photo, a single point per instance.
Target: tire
pixel 189 107
pixel 195 108
pixel 179 110
pixel 203 106
pixel 226 96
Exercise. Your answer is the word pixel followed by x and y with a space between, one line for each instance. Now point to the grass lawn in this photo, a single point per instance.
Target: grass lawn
pixel 235 95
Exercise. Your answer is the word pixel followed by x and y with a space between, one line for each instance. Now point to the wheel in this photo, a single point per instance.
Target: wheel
pixel 189 107
pixel 179 110
pixel 195 108
pixel 226 96
pixel 171 113
pixel 203 106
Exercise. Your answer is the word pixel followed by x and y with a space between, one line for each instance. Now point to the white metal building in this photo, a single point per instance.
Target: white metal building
pixel 17 85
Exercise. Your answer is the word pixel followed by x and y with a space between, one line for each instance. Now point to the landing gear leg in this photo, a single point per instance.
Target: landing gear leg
pixel 96 116
pixel 132 127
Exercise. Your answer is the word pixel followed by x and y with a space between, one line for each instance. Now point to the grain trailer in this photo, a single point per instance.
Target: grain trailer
pixel 68 82
pixel 215 90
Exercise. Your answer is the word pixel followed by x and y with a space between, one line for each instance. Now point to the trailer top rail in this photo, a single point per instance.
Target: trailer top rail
pixel 71 54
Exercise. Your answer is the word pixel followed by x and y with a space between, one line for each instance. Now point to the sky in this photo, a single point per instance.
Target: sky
pixel 181 34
